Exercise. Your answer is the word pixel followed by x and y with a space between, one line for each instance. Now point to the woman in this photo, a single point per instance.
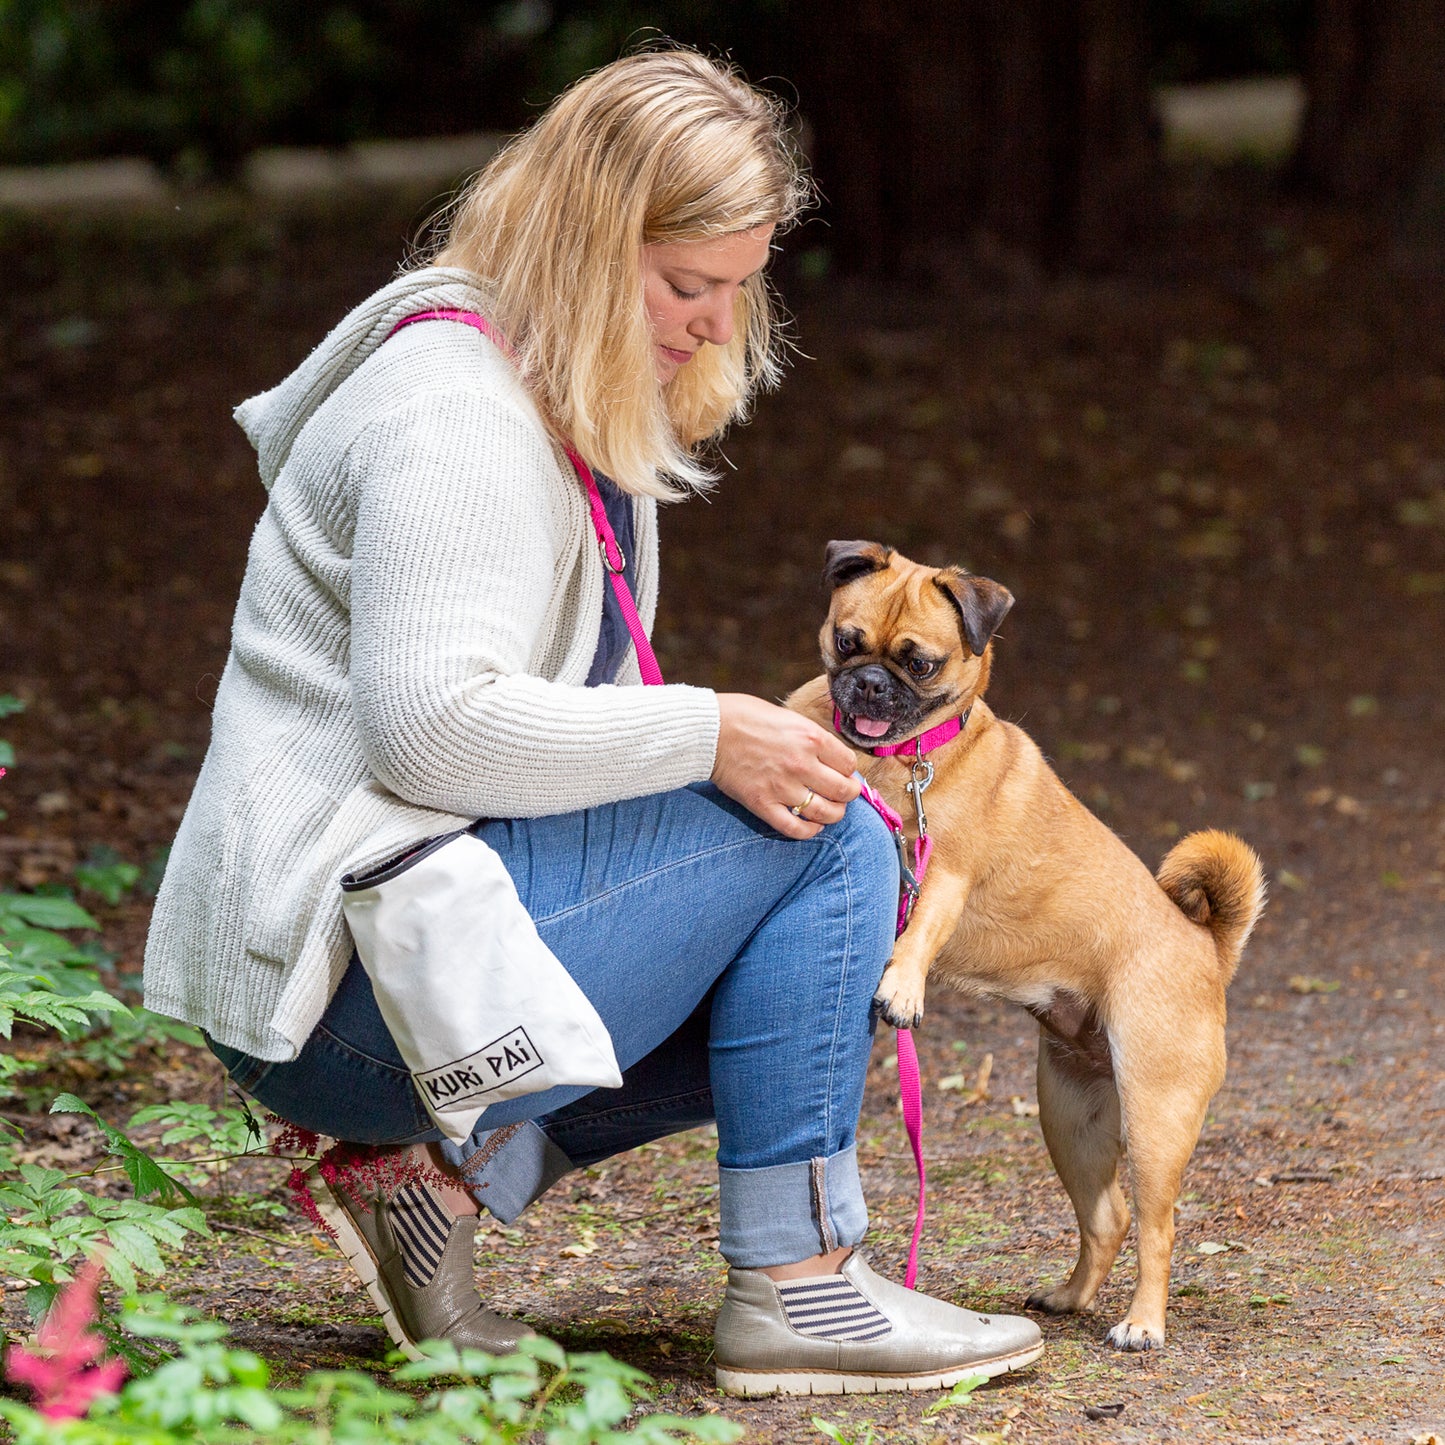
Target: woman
pixel 424 640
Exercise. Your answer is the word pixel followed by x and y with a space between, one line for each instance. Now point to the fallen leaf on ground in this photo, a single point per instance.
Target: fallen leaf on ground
pixel 583 1247
pixel 1023 1109
pixel 1308 983
pixel 979 1092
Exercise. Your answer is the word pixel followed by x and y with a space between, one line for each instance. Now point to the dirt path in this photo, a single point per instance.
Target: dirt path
pixel 1217 487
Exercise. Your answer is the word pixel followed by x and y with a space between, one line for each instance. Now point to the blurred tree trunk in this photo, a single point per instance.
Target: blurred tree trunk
pixel 1374 128
pixel 1029 120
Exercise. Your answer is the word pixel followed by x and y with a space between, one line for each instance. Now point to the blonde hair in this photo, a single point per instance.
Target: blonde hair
pixel 660 146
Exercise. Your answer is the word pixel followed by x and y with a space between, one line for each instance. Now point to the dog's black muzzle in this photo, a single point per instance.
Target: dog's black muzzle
pixel 870 690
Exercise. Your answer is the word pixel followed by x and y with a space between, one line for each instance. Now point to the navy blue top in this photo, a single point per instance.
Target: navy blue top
pixel 614 639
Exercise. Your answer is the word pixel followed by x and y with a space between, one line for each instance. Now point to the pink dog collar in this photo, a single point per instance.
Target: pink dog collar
pixel 945 732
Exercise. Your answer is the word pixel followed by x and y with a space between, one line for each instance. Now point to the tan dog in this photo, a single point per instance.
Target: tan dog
pixel 1030 898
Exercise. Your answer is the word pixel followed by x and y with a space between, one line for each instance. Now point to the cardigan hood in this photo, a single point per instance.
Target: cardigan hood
pixel 273 420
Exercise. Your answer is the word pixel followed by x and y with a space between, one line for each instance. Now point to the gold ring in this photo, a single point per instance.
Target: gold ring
pixel 797 812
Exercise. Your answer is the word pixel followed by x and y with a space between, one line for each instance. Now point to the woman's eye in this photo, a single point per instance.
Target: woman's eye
pixel 920 667
pixel 684 295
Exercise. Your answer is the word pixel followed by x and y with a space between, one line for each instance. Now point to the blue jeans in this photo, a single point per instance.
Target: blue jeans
pixel 735 971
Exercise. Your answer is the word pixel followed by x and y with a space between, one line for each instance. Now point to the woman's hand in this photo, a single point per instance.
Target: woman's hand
pixel 770 760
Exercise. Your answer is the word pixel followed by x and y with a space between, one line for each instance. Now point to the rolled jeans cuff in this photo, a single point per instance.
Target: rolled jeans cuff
pixel 789 1212
pixel 505 1169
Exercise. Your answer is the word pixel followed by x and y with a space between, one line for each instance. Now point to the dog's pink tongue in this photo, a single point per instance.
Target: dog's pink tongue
pixel 870 727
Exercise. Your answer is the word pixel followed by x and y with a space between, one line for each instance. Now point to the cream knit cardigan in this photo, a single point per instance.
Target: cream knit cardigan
pixel 419 612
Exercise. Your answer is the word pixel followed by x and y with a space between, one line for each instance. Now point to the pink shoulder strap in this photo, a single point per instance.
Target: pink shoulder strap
pixel 612 559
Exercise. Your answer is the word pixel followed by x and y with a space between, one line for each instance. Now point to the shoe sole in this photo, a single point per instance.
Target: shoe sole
pixel 753 1383
pixel 353 1245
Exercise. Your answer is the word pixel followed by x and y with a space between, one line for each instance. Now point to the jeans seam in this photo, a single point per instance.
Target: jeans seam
pixel 842 993
pixel 626 1111
pixel 356 1053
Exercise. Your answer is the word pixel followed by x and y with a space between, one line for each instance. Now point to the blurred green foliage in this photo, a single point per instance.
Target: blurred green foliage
pixel 196 84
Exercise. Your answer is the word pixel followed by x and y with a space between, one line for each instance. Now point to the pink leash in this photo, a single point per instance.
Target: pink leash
pixel 909 1085
pixel 911 871
pixel 612 558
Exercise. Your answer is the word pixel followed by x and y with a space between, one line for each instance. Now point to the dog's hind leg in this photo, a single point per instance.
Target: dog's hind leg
pixel 1079 1112
pixel 1163 1126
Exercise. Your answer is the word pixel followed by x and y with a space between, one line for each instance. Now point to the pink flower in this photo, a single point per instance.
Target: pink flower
pixel 70 1374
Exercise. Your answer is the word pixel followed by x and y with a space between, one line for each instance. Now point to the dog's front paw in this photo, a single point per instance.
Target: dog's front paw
pixel 1131 1335
pixel 899 1000
pixel 1057 1301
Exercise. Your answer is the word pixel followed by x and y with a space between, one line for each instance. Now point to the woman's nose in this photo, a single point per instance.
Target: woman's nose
pixel 715 324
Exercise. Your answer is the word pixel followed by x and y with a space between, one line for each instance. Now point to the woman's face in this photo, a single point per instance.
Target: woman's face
pixel 689 289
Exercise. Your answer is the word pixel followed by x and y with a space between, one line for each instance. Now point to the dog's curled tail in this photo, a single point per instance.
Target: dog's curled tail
pixel 1216 880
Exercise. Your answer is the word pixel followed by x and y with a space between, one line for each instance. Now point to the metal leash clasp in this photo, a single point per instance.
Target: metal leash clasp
pixel 908 885
pixel 607 558
pixel 916 786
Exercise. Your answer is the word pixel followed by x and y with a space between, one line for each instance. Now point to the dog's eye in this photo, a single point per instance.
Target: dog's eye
pixel 921 667
pixel 844 644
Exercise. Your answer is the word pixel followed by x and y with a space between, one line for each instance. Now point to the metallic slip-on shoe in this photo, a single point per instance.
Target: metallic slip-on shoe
pixel 447 1305
pixel 855 1333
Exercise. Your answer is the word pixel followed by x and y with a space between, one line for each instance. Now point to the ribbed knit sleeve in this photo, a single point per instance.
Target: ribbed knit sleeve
pixel 468 541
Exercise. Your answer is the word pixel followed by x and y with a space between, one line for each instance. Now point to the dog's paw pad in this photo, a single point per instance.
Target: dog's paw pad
pixel 1127 1335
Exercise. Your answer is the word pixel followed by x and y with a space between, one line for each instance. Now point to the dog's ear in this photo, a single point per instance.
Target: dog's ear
pixel 847 561
pixel 981 604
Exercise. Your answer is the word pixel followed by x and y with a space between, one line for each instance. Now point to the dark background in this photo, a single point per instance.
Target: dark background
pixel 1030 120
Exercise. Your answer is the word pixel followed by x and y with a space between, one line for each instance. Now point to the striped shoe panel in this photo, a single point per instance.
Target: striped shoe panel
pixel 421 1225
pixel 832 1309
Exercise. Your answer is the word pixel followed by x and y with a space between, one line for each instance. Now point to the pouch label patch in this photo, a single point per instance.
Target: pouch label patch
pixel 492 1067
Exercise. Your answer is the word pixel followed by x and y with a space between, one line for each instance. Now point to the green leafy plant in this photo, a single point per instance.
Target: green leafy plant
pixel 45 980
pixel 960 1394
pixel 51 1226
pixel 49 1223
pixel 840 1437
pixel 211 1391
pixel 107 874
pixel 226 1134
